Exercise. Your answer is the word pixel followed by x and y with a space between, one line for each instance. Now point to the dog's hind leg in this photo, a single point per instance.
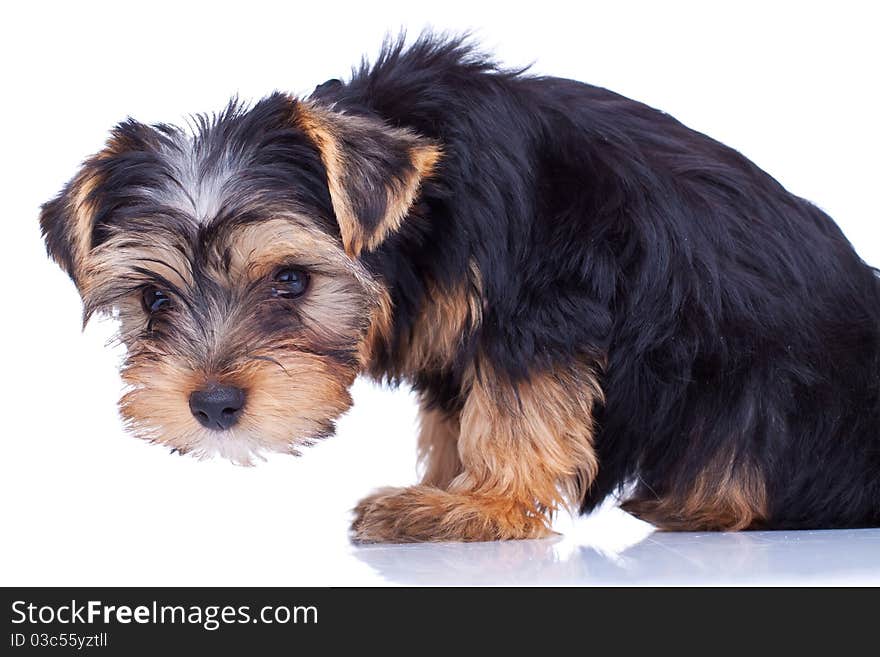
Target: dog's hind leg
pixel 726 497
pixel 525 449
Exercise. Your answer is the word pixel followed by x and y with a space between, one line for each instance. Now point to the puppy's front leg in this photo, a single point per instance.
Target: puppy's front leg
pixel 525 449
pixel 438 446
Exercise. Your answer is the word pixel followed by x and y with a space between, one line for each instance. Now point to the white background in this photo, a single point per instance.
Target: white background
pixel 792 85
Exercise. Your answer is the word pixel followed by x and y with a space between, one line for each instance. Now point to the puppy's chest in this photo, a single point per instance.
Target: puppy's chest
pixel 433 350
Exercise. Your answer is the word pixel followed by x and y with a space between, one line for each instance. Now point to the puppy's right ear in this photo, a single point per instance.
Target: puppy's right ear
pixel 68 220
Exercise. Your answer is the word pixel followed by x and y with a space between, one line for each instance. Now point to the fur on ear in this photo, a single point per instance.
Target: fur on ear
pixel 374 171
pixel 68 220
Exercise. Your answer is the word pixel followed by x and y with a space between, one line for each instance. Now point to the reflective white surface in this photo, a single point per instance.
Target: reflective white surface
pixel 843 557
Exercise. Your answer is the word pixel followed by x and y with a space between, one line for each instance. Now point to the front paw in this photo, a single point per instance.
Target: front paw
pixel 423 513
pixel 377 517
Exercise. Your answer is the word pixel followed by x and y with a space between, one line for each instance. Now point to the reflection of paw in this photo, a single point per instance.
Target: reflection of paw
pixel 423 513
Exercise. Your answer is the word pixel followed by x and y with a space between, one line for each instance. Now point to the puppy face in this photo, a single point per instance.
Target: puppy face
pixel 231 256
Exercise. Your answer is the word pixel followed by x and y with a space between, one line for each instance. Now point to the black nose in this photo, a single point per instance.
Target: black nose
pixel 217 407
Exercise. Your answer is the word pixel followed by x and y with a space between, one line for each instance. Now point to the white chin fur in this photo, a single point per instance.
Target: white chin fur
pixel 240 447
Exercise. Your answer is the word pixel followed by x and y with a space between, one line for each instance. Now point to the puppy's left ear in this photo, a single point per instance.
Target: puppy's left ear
pixel 374 171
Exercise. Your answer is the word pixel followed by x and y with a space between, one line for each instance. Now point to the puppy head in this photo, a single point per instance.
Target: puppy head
pixel 231 255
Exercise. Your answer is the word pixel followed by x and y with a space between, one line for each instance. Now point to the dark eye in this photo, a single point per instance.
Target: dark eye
pixel 290 283
pixel 153 299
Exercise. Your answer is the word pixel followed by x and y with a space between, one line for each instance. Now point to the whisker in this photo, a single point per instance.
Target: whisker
pixel 269 359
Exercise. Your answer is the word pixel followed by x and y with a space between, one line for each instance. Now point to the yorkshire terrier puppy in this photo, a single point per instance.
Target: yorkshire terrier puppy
pixel 589 297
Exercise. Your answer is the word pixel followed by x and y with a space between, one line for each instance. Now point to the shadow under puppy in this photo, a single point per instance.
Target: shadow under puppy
pixel 588 296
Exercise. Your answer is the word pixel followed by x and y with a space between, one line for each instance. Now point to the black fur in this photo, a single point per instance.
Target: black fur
pixel 736 317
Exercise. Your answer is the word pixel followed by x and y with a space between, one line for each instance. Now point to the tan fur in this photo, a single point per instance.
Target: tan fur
pixel 260 249
pixel 156 404
pixel 401 197
pixel 723 498
pixel 81 211
pixel 82 208
pixel 525 452
pixel 325 128
pixel 293 392
pixel 425 513
pixel 380 327
pixel 103 266
pixel 447 319
pixel 317 123
pixel 438 447
pixel 256 250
